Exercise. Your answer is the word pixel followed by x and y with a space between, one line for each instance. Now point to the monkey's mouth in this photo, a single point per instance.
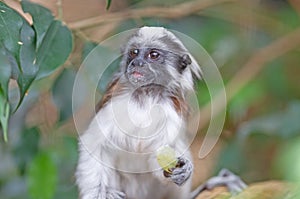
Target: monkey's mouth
pixel 136 77
pixel 139 77
pixel 137 74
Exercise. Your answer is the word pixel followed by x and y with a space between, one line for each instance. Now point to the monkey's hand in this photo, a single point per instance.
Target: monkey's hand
pixel 226 178
pixel 115 194
pixel 182 172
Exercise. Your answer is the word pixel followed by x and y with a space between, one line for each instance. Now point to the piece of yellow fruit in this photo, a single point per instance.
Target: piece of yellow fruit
pixel 166 158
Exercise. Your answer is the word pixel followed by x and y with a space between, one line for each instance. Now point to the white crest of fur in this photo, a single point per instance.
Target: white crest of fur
pixel 151 35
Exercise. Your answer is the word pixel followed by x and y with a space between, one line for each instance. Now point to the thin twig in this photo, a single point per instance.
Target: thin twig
pixel 81 35
pixel 178 11
pixel 59 10
pixel 252 67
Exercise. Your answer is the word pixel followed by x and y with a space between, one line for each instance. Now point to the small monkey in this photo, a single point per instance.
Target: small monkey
pixel 143 109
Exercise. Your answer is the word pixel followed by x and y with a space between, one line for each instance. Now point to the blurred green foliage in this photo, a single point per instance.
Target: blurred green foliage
pixel 262 129
pixel 62 94
pixel 42 177
pixel 287 163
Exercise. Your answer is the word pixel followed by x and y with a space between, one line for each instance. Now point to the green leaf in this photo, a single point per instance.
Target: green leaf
pixel 62 93
pixel 108 3
pixel 54 49
pixel 42 177
pixel 18 38
pixel 10 24
pixel 28 67
pixel 4 115
pixel 42 18
pixel 5 73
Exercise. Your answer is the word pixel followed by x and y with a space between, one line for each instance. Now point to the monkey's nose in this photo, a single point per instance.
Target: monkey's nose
pixel 138 62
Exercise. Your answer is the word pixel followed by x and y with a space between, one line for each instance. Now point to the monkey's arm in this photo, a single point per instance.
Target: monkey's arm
pixel 92 178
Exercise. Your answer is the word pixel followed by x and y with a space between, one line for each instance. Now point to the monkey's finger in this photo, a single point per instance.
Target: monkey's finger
pixel 186 168
pixel 180 179
pixel 181 175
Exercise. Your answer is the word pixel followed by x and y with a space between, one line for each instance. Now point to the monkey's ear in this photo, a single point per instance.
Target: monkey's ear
pixel 185 60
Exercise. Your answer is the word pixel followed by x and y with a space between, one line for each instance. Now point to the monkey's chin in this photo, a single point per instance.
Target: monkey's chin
pixel 138 82
pixel 137 79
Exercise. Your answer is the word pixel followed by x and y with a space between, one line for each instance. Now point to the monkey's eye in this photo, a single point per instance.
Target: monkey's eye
pixel 153 55
pixel 133 53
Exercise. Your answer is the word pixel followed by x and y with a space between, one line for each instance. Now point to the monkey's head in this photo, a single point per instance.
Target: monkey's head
pixel 155 56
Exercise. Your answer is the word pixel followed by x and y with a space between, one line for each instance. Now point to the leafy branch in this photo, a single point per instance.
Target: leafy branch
pixel 28 52
pixel 177 11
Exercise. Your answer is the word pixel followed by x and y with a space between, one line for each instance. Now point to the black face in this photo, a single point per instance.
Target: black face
pixel 146 66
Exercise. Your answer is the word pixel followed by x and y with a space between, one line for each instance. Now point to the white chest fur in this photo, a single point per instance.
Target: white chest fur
pixel 130 133
pixel 123 119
